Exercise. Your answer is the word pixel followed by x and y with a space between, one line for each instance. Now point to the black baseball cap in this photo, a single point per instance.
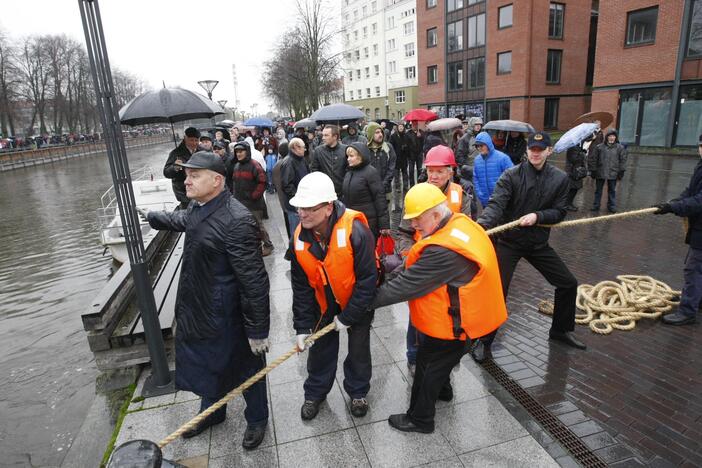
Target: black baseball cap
pixel 205 160
pixel 539 140
pixel 205 135
pixel 192 132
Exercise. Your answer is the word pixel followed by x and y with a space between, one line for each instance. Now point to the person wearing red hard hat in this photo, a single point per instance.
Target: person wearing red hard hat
pixel 440 163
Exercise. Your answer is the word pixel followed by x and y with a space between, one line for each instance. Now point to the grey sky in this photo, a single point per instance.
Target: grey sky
pixel 178 41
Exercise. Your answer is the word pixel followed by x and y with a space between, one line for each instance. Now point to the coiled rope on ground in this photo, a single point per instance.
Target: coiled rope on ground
pixel 311 339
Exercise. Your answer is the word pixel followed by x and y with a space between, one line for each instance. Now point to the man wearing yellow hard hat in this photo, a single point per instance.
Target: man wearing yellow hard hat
pixel 452 282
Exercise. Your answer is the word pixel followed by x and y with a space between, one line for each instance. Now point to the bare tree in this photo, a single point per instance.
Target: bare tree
pixel 8 84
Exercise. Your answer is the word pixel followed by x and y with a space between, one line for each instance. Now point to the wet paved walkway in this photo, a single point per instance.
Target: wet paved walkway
pixel 634 397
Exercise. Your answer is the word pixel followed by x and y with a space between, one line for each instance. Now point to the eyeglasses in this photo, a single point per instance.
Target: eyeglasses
pixel 313 209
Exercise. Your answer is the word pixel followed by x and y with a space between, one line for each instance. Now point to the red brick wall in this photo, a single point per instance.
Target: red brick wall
pixel 606 100
pixel 617 65
pixel 426 19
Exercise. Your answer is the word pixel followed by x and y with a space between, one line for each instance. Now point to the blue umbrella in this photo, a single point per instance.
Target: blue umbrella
pixel 574 136
pixel 259 122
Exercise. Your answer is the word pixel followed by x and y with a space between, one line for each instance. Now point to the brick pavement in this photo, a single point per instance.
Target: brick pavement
pixel 633 397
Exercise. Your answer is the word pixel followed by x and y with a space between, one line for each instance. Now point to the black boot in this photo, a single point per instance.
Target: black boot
pixel 678 319
pixel 253 436
pixel 567 338
pixel 402 422
pixel 309 409
pixel 213 419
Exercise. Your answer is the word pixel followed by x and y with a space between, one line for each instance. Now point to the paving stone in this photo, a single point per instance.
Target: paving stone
pixel 393 337
pixel 599 440
pixel 389 394
pixel 453 462
pixel 477 423
pixel 182 396
pixel 287 400
pixel 388 447
pixel 585 428
pixel 155 424
pixel 613 453
pixel 226 437
pixel 337 449
pixel 514 453
pixel 259 458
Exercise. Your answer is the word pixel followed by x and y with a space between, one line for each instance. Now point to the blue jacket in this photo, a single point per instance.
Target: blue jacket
pixel 487 169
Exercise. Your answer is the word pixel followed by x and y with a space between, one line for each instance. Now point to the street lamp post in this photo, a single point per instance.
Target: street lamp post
pixel 208 86
pixel 223 103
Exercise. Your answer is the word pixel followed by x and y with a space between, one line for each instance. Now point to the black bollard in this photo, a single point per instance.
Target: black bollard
pixel 136 454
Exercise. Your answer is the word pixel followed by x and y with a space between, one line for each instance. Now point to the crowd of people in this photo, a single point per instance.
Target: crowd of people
pixel 335 192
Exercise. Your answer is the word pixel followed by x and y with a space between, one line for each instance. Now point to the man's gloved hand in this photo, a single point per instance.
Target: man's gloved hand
pixel 143 212
pixel 259 347
pixel 663 208
pixel 620 175
pixel 338 326
pixel 300 341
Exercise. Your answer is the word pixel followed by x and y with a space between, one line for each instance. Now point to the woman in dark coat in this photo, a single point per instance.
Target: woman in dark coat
pixel 576 170
pixel 362 189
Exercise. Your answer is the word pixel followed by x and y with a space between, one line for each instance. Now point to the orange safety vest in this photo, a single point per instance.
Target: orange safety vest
pixel 337 267
pixel 454 197
pixel 479 307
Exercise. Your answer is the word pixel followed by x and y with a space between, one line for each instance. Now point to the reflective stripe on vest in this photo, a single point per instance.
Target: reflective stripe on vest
pixel 454 197
pixel 337 268
pixel 482 306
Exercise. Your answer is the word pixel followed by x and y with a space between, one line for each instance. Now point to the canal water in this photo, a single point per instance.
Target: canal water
pixel 51 266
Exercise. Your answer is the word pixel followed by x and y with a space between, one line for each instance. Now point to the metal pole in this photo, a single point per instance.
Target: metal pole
pixel 675 92
pixel 160 381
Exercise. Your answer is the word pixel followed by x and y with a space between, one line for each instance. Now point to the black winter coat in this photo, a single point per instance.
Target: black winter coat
pixel 521 190
pixel 608 161
pixel 431 139
pixel 362 191
pixel 306 311
pixel 574 163
pixel 331 161
pixel 292 170
pixel 222 292
pixel 171 171
pixel 383 160
pixel 402 144
pixel 689 204
pixel 416 143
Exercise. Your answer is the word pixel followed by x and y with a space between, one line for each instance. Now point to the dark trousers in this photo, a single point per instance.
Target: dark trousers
pixel 412 338
pixel 412 164
pixel 611 193
pixel 435 359
pixel 401 170
pixel 549 264
pixel 571 195
pixel 264 234
pixel 322 358
pixel 691 296
pixel 256 412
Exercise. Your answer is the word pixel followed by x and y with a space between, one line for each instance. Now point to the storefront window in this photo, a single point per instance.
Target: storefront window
pixel 690 118
pixel 498 110
pixel 656 111
pixel 694 37
pixel 628 114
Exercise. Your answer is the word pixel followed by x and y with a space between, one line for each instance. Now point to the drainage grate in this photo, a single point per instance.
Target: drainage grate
pixel 553 425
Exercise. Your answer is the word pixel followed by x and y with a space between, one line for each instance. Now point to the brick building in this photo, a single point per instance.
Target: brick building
pixel 648 70
pixel 505 59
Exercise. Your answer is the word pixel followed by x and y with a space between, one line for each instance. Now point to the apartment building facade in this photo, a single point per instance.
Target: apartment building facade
pixel 499 59
pixel 648 70
pixel 380 56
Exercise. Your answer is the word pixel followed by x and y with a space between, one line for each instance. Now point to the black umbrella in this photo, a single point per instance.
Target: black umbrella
pixel 168 105
pixel 307 124
pixel 337 113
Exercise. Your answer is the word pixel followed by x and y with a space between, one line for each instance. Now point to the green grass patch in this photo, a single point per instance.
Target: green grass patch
pixel 118 424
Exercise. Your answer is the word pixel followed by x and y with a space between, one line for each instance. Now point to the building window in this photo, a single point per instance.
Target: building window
pixel 453 5
pixel 473 2
pixel 410 72
pixel 351 95
pixel 409 49
pixel 391 22
pixel 644 114
pixel 553 66
pixel 455 76
pixel 377 113
pixel 375 50
pixel 368 94
pixel 376 70
pixel 504 17
pixel 365 52
pixel 497 110
pixel 358 74
pixel 641 26
pixel 374 6
pixel 399 97
pixel 355 35
pixel 556 18
pixel 357 54
pixel 504 63
pixel 348 37
pixel 694 35
pixel 350 76
pixel 432 37
pixel 391 44
pixel 409 28
pixel 431 4
pixel 476 30
pixel 476 73
pixel 377 91
pixel 367 72
pixel 365 31
pixel 360 95
pixel 454 32
pixel 392 67
pixel 432 74
pixel 365 10
pixel 690 117
pixel 374 28
pixel 551 113
pixel 355 14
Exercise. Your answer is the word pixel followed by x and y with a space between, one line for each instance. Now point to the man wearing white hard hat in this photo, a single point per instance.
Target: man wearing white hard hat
pixel 334 276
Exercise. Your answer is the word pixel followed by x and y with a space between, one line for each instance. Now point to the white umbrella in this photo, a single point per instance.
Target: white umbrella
pixel 574 136
pixel 448 123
